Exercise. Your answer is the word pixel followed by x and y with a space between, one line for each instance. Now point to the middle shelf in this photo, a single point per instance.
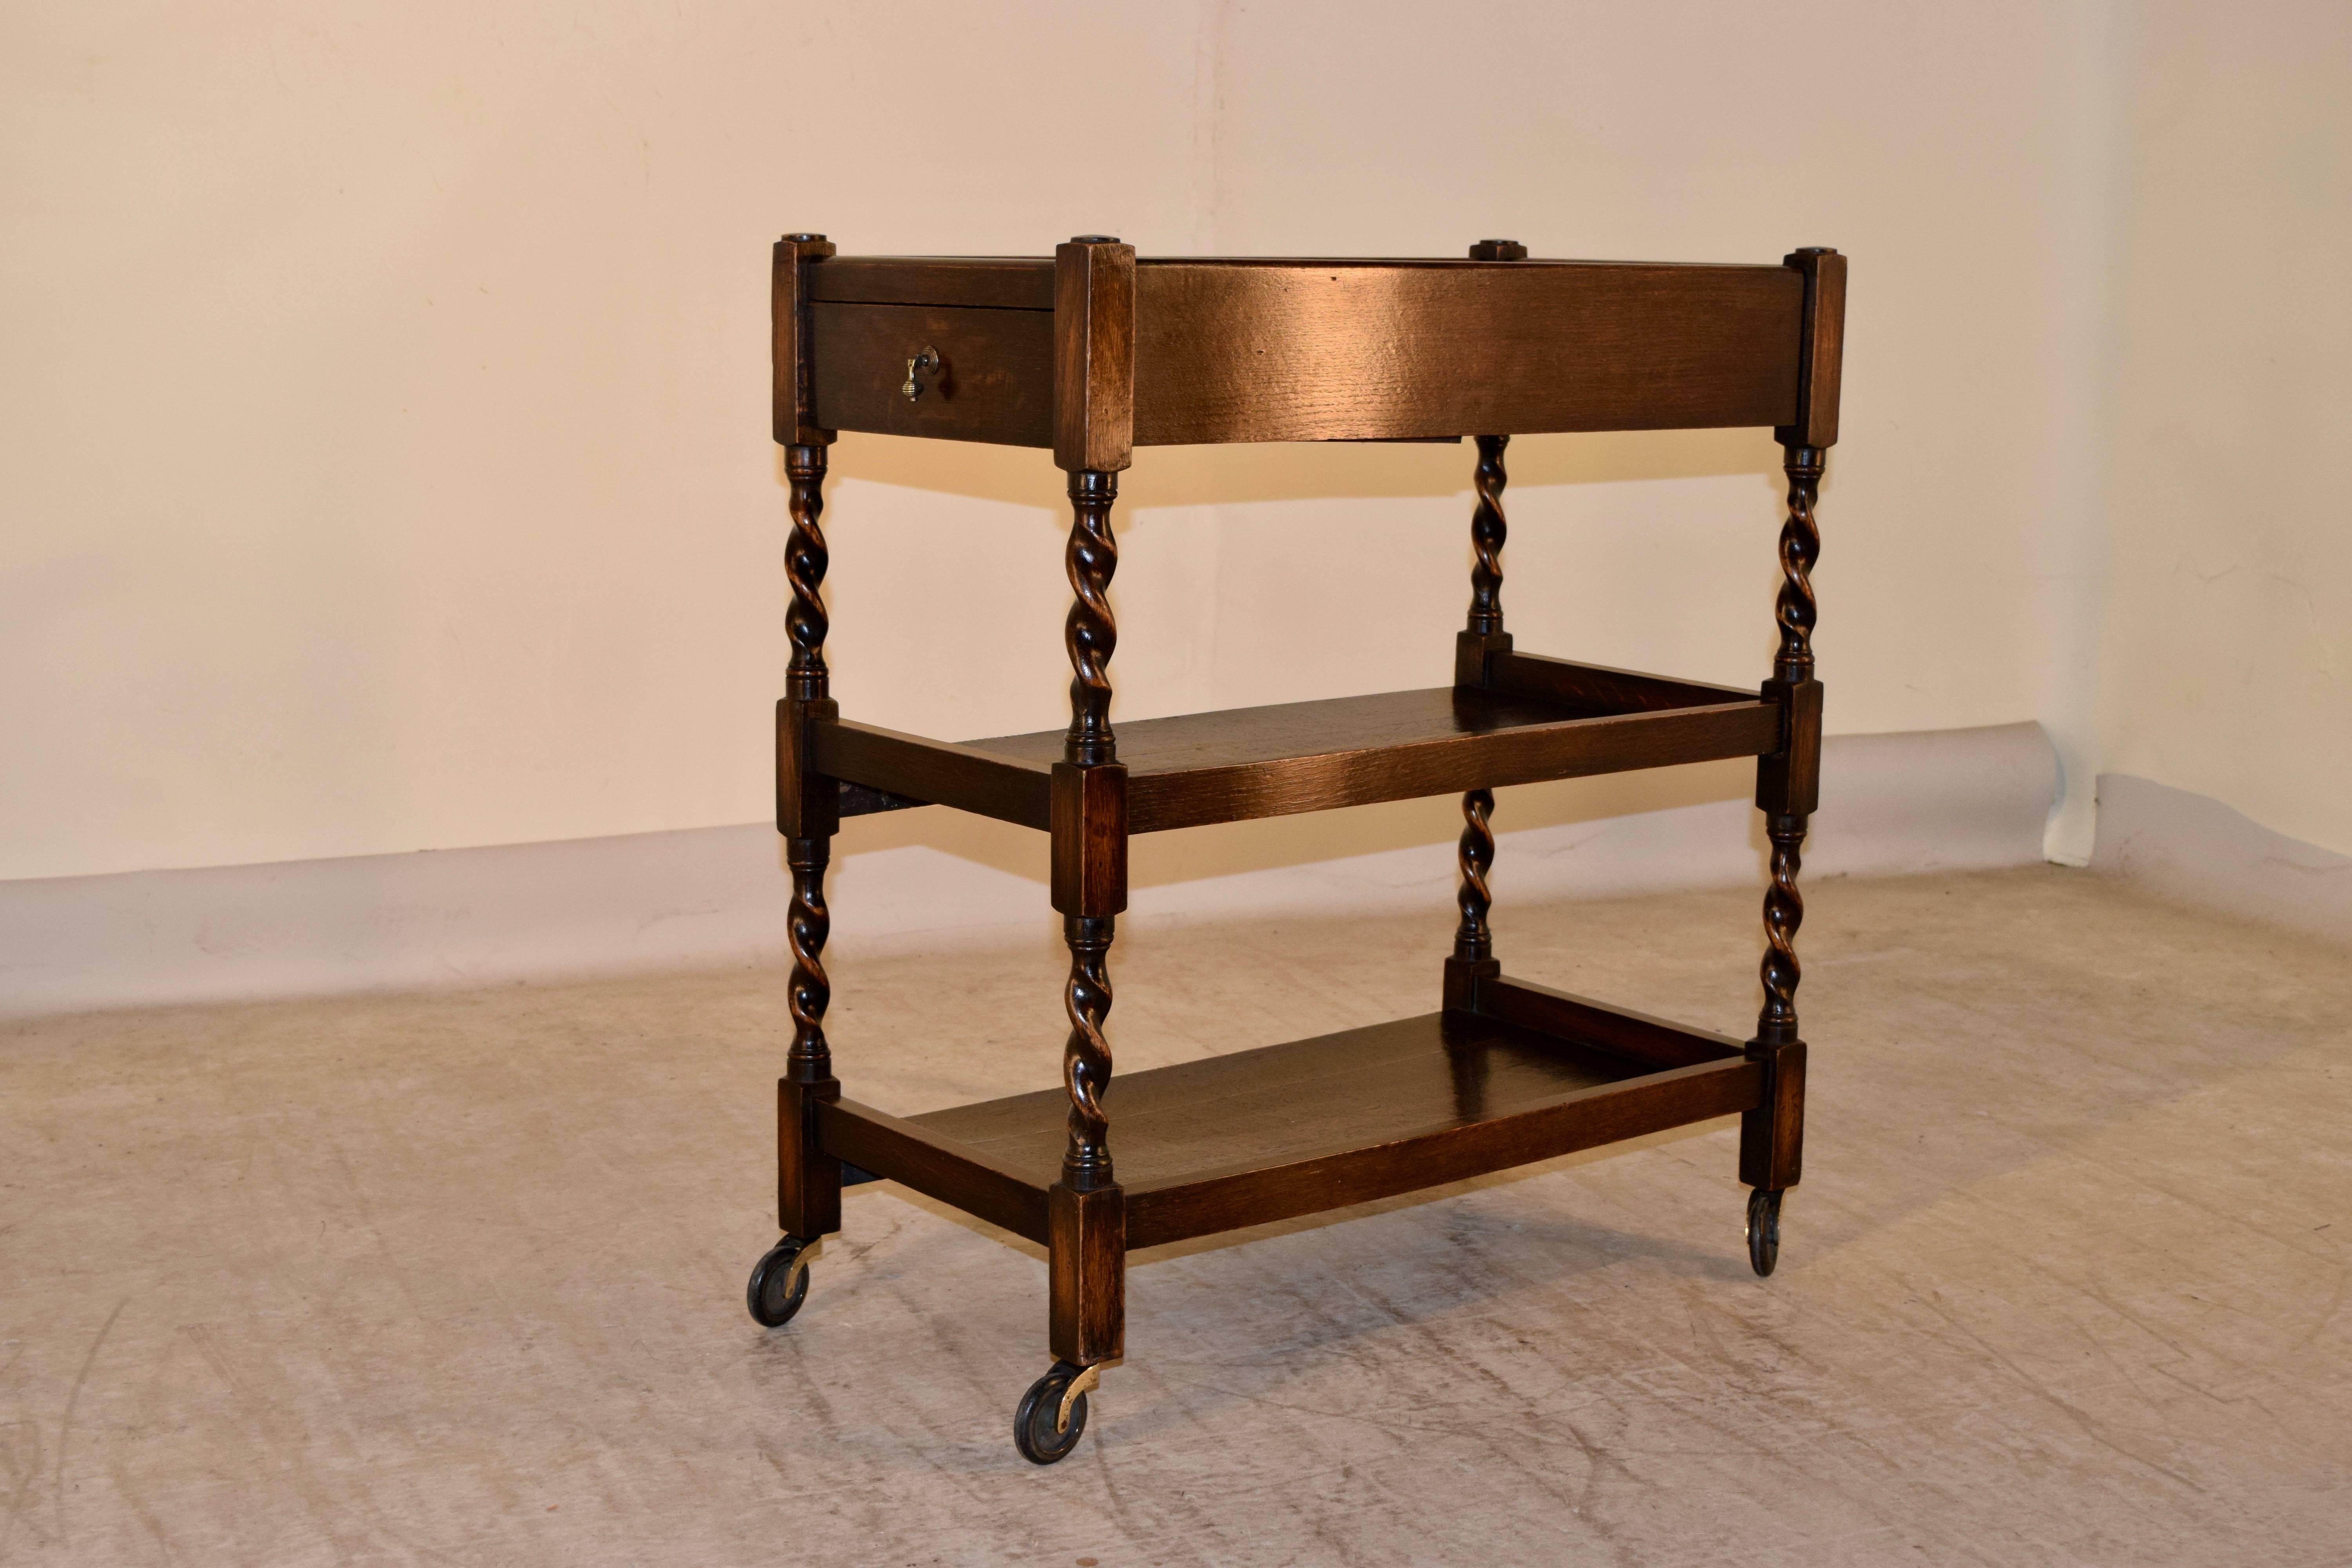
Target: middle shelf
pixel 1537 719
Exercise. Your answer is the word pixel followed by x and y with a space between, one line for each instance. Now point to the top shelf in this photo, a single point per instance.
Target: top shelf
pixel 1097 351
pixel 1027 282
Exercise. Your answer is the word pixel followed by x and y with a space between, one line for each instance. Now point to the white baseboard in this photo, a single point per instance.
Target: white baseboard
pixel 2194 849
pixel 1891 803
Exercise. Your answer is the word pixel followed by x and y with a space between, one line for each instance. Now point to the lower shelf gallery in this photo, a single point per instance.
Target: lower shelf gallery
pixel 1522 1074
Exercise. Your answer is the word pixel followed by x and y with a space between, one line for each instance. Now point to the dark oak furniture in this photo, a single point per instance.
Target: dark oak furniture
pixel 1095 351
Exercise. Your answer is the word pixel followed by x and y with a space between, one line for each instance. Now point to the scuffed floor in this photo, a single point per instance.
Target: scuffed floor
pixel 459 1278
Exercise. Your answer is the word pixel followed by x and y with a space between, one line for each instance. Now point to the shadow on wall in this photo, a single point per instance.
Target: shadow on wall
pixel 1169 476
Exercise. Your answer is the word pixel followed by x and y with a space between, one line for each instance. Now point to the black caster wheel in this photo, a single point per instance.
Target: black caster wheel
pixel 1763 1229
pixel 780 1283
pixel 1039 1429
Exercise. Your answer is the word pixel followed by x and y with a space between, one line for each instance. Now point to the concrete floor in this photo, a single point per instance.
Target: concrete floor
pixel 459 1278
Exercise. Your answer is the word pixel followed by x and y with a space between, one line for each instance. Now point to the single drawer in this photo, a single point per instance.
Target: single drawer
pixel 992 379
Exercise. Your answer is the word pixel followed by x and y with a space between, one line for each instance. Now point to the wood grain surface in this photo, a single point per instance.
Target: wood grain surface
pixel 1823 351
pixel 1293 352
pixel 1199 768
pixel 1596 688
pixel 1094 355
pixel 793 264
pixel 998 386
pixel 983 282
pixel 1306 350
pixel 1636 1037
pixel 946 1168
pixel 1009 788
pixel 1250 1136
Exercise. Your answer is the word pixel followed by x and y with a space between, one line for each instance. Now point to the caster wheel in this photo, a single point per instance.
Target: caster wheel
pixel 1763 1229
pixel 778 1287
pixel 1035 1429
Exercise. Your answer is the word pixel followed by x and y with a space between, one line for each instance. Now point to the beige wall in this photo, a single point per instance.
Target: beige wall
pixel 385 448
pixel 2228 640
pixel 1942 148
pixel 385 463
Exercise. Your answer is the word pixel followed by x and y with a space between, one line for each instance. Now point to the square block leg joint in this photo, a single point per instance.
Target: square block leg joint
pixel 1088 1247
pixel 1772 1135
pixel 808 1180
pixel 1089 828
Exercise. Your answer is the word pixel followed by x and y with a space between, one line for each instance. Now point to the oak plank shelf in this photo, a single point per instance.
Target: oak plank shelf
pixel 1200 768
pixel 1211 1145
pixel 1093 352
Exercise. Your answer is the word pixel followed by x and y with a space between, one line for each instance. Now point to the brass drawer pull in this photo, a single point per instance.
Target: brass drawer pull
pixel 927 363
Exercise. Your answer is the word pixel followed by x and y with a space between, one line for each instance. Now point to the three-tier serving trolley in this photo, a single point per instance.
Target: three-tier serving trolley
pixel 1095 351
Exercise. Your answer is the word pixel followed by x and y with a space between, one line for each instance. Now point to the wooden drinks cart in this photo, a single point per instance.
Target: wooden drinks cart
pixel 1095 351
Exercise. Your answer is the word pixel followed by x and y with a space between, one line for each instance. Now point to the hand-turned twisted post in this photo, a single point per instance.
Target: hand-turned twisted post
pixel 807 927
pixel 1487 531
pixel 1801 546
pixel 1086 1058
pixel 809 922
pixel 1473 939
pixel 1784 908
pixel 1784 912
pixel 805 559
pixel 1089 634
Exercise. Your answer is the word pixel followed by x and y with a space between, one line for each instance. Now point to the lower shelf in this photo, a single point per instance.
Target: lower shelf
pixel 1320 1123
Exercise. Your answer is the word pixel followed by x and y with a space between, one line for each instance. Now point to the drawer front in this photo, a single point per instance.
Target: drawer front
pixel 994 381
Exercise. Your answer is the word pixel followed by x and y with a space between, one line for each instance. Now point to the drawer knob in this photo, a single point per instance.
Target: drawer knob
pixel 927 363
